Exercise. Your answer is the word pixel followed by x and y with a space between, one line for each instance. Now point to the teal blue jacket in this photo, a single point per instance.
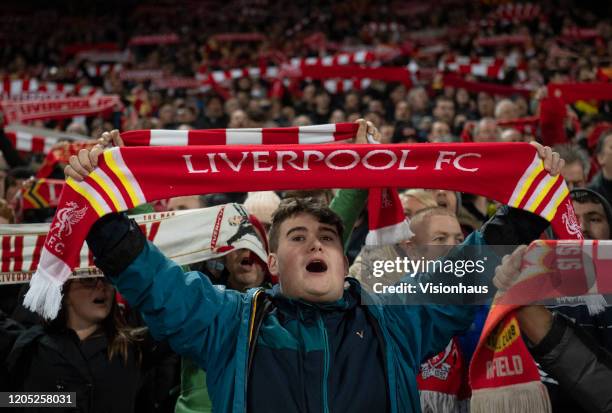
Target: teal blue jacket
pixel 218 328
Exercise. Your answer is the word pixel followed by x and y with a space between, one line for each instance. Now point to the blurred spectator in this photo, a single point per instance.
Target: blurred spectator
pixel 444 110
pixel 322 110
pixel 602 182
pixel 577 165
pixel 506 110
pixel 186 202
pixel 511 135
pixel 167 117
pixel 435 227
pixel 337 116
pixel 414 200
pixel 7 215
pixel 262 204
pixel 14 181
pixel 238 119
pixel 419 104
pixel 77 127
pixel 88 349
pixel 486 130
pixel 440 132
pixel 324 195
pixel 213 117
pixel 446 199
pixel 485 105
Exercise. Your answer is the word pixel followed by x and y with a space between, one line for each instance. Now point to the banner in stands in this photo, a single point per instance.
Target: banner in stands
pixel 183 236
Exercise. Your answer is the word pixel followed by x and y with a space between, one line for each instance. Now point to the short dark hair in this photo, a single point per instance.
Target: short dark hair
pixel 325 195
pixel 583 197
pixel 290 207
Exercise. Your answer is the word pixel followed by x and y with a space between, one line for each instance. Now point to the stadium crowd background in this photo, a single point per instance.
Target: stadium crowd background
pixel 461 71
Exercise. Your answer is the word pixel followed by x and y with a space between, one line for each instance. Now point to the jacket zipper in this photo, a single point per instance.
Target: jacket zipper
pixel 252 341
pixel 383 348
pixel 250 345
pixel 325 363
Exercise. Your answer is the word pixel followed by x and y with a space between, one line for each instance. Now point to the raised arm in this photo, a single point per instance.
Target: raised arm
pixel 563 350
pixel 197 319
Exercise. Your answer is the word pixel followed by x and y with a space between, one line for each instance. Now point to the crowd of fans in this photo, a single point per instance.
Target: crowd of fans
pixel 170 82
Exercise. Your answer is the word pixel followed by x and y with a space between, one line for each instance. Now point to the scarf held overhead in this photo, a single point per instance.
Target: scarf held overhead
pixel 388 225
pixel 23 111
pixel 127 177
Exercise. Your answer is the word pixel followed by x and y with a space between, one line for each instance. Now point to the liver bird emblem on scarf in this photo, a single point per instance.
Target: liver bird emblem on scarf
pixel 67 217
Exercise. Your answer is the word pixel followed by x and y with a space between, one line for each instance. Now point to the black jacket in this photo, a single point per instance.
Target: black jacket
pixel 581 367
pixel 58 361
pixel 9 331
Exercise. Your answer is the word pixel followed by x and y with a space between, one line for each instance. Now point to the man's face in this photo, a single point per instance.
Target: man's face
pixel 402 111
pixel 437 230
pixel 166 114
pixel 507 111
pixel 411 206
pixel 573 174
pixel 351 102
pixel 487 132
pixel 486 105
pixel 238 119
pixel 444 111
pixel 446 199
pixel 605 156
pixel 245 271
pixel 322 101
pixel 181 203
pixel 309 261
pixel 419 100
pixel 214 108
pixel 511 135
pixel 593 220
pixel 439 132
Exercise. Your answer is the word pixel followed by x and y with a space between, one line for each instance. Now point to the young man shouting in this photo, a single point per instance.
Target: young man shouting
pixel 308 345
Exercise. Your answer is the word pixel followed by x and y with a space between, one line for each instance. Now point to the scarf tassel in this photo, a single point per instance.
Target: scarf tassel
pixel 438 402
pixel 44 295
pixel 529 397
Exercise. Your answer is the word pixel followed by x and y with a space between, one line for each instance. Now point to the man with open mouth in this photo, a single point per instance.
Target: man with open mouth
pixel 308 345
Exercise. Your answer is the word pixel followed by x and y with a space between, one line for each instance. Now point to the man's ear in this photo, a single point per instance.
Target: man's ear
pixel 346 265
pixel 600 158
pixel 273 264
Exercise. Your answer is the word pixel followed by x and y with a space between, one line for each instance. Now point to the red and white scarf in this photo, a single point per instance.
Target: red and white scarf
pixel 26 88
pixel 386 221
pixel 127 177
pixel 503 376
pixel 37 140
pixel 186 237
pixel 23 111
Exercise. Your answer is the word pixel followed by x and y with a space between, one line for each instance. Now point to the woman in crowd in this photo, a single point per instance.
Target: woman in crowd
pixel 88 349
